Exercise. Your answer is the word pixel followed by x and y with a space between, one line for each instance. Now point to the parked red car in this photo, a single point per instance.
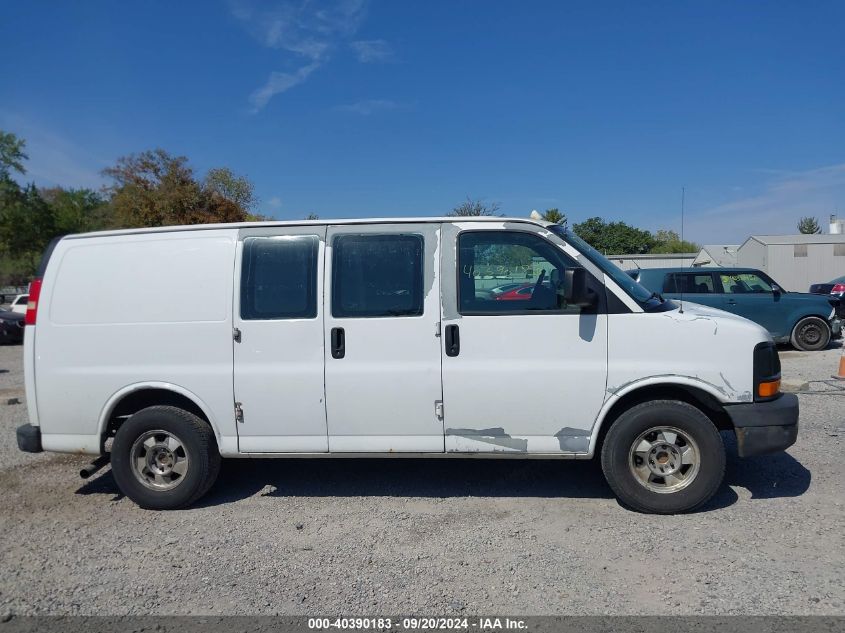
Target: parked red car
pixel 522 292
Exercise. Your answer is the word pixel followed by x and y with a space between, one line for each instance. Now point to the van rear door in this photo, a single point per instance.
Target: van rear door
pixel 383 389
pixel 278 340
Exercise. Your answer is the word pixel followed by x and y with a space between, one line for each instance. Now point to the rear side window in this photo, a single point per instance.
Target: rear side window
pixel 279 277
pixel 377 275
pixel 688 283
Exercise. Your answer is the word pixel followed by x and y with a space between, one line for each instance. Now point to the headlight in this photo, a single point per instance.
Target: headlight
pixel 766 372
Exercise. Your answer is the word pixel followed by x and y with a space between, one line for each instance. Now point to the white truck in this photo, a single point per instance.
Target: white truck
pixel 372 338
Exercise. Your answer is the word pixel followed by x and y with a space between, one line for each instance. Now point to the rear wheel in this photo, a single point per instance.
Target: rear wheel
pixel 810 334
pixel 663 457
pixel 164 458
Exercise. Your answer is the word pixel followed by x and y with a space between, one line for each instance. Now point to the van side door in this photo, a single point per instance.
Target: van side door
pixel 520 375
pixel 278 340
pixel 382 356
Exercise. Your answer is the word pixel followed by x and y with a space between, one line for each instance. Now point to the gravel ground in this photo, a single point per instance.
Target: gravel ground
pixel 431 537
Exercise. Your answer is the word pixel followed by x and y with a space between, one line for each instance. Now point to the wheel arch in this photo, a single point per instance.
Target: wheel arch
pixel 137 396
pixel 802 316
pixel 698 393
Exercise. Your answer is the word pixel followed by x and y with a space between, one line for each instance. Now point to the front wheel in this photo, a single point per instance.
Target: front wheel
pixel 663 457
pixel 164 458
pixel 810 334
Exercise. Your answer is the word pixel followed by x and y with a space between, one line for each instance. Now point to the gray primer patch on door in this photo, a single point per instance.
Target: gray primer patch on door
pixel 448 280
pixel 495 436
pixel 573 440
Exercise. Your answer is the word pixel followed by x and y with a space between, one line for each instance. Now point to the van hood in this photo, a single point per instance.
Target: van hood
pixel 696 311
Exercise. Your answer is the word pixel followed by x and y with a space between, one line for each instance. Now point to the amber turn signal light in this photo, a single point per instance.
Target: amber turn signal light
pixel 768 389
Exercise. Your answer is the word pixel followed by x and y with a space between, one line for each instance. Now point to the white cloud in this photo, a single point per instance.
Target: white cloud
pixel 368 106
pixel 310 31
pixel 277 83
pixel 275 202
pixel 775 208
pixel 372 51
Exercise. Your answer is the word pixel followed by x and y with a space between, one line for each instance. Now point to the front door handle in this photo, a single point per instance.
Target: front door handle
pixel 338 342
pixel 452 340
pixel 731 302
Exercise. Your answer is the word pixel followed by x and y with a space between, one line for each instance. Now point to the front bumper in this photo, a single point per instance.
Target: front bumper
pixel 765 427
pixel 29 438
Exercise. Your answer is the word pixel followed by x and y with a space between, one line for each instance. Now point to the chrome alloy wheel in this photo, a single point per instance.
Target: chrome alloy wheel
pixel 159 460
pixel 664 459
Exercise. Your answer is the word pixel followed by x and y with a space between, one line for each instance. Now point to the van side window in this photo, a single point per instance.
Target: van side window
pixel 279 277
pixel 688 283
pixel 501 272
pixel 377 275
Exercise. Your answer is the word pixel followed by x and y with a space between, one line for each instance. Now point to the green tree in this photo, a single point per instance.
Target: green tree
pixel 154 188
pixel 78 210
pixel 223 182
pixel 27 223
pixel 614 238
pixel 12 155
pixel 554 215
pixel 670 242
pixel 809 225
pixel 474 208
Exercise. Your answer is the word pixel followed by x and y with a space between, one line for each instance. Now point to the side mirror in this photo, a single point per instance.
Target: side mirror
pixel 776 290
pixel 575 288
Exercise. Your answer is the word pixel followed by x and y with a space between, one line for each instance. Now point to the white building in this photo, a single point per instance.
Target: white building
pixel 717 255
pixel 795 261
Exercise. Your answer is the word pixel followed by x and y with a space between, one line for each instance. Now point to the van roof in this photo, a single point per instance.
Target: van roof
pixel 283 223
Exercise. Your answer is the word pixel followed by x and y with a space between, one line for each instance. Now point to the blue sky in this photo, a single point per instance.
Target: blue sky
pixel 350 108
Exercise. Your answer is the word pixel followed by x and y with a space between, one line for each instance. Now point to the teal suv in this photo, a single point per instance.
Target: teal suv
pixel 807 321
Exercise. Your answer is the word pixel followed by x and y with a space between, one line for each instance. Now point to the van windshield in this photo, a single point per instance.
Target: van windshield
pixel 640 294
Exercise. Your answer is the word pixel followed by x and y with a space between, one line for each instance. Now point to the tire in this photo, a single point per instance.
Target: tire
pixel 693 463
pixel 179 456
pixel 810 334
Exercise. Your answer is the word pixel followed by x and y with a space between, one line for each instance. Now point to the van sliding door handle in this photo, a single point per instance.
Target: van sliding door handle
pixel 452 340
pixel 338 342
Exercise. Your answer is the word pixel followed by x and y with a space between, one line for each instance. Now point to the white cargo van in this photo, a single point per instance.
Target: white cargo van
pixel 163 350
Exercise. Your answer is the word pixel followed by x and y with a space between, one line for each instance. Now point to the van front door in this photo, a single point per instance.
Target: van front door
pixel 522 370
pixel 278 340
pixel 382 356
